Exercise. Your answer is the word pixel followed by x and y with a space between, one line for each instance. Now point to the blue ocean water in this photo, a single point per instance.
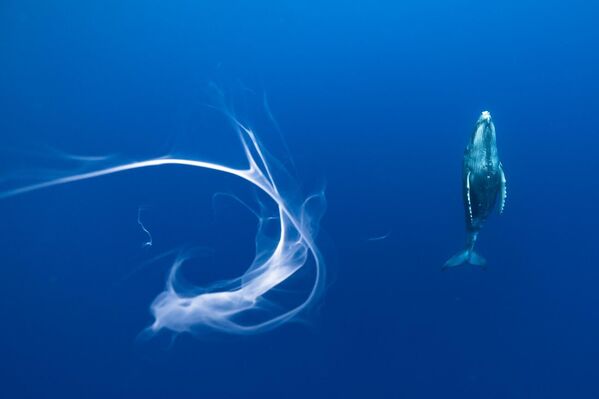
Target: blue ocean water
pixel 375 101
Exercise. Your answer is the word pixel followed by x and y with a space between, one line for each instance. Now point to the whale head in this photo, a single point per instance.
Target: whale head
pixel 484 132
pixel 485 116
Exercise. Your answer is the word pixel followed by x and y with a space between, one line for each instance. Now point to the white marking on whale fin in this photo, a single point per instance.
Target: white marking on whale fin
pixel 503 189
pixel 468 196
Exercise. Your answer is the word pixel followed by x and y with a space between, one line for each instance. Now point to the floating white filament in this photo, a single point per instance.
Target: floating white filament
pixel 149 242
pixel 221 307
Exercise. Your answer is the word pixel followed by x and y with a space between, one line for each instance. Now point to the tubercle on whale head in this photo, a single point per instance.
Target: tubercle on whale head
pixel 485 121
pixel 485 116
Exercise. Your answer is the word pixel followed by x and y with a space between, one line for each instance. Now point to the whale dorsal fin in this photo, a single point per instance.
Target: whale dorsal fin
pixel 503 189
pixel 469 202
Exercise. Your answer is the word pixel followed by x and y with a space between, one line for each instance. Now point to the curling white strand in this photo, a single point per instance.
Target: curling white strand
pixel 149 242
pixel 220 307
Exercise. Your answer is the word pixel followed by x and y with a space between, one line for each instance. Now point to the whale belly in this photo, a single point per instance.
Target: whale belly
pixel 480 197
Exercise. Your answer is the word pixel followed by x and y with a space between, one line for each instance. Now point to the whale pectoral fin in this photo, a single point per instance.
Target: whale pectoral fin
pixel 503 189
pixel 468 200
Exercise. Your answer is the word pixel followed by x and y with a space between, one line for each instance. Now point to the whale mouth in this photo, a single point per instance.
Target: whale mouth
pixel 486 115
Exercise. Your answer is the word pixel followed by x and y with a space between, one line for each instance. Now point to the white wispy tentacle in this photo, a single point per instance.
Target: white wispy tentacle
pixel 219 307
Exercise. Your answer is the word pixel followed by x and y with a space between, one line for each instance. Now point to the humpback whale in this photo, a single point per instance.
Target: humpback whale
pixel 483 182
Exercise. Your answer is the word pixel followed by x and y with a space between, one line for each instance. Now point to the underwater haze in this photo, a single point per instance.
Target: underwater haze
pixel 255 199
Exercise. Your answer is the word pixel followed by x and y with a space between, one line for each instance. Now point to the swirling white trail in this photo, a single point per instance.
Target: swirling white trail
pixel 220 307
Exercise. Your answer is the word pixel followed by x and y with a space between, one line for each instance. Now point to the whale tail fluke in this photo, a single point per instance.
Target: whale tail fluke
pixel 466 256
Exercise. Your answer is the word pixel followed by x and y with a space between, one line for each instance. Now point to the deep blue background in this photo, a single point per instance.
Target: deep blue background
pixel 376 99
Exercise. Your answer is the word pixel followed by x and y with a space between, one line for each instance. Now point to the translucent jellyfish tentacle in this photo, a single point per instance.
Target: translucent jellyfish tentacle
pixel 149 241
pixel 217 309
